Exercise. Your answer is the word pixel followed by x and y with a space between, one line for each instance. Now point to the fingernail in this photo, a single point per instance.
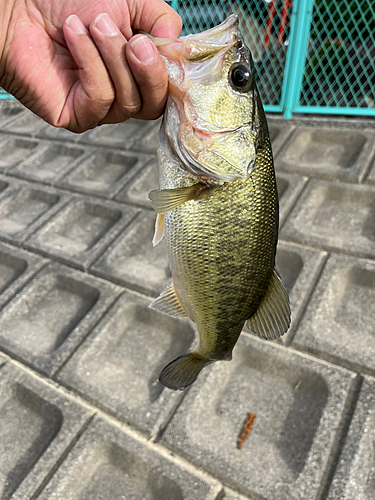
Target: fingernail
pixel 143 49
pixel 105 25
pixel 76 25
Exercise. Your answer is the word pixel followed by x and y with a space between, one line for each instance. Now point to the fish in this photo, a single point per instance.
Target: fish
pixel 217 203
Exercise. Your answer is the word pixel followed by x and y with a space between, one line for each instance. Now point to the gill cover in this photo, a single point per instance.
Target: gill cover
pixel 213 116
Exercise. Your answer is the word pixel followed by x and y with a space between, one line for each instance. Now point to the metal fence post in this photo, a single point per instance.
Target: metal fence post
pixel 295 64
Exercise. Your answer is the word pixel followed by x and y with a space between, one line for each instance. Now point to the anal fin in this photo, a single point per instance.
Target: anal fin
pixel 272 318
pixel 167 199
pixel 169 303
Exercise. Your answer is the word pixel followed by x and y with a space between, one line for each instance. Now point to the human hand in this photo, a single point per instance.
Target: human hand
pixel 72 65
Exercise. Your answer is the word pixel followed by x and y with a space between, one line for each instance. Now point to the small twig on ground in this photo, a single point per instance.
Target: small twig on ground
pixel 246 429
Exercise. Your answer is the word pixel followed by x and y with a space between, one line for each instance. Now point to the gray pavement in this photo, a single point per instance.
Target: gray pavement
pixel 82 414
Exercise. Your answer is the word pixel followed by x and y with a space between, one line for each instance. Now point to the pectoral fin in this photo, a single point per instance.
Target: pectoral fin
pixel 272 318
pixel 169 303
pixel 167 199
pixel 159 230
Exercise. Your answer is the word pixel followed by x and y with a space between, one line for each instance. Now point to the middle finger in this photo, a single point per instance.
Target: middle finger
pixel 111 44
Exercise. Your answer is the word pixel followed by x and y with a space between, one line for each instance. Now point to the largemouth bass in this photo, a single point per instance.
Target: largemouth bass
pixel 217 204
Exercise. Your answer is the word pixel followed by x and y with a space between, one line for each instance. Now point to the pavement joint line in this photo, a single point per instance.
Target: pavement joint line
pixel 63 456
pixel 329 249
pixel 336 453
pixel 290 209
pixel 297 320
pixel 336 361
pixel 97 412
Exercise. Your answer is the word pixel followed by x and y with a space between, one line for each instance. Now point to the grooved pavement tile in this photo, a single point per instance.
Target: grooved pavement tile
pixel 279 132
pixel 299 268
pixel 145 181
pixel 299 403
pixel 232 495
pixel 25 207
pixel 339 323
pixel 146 140
pixel 132 261
pixel 329 153
pixel 104 173
pixel 119 135
pixel 118 365
pixel 109 464
pixel 15 149
pixel 37 426
pixel 289 188
pixel 9 112
pixel 46 321
pixel 27 123
pixel 16 267
pixel 336 216
pixel 354 478
pixel 79 232
pixel 50 163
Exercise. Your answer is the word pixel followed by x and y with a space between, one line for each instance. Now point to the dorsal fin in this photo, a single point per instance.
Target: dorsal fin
pixel 272 318
pixel 169 303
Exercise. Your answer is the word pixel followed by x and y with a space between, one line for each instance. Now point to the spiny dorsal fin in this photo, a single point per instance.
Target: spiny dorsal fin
pixel 159 230
pixel 169 303
pixel 167 199
pixel 272 318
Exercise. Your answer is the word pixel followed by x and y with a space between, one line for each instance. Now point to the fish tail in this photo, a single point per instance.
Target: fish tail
pixel 182 372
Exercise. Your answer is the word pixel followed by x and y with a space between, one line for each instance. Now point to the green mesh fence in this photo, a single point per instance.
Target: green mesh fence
pixel 340 62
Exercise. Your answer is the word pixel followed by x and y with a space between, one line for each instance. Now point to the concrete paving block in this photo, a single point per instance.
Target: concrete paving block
pixel 119 135
pixel 15 149
pixel 338 217
pixel 9 111
pixel 16 268
pixel 146 140
pixel 38 425
pixel 132 261
pixel 299 403
pixel 299 268
pixel 4 184
pixel 79 232
pixel 49 318
pixel 27 123
pixel 110 464
pixel 24 207
pixel 103 173
pixel 289 188
pixel 118 365
pixel 137 190
pixel 339 323
pixel 354 478
pixel 329 153
pixel 279 132
pixel 50 163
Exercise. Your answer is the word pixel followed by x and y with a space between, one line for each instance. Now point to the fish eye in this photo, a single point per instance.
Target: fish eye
pixel 240 77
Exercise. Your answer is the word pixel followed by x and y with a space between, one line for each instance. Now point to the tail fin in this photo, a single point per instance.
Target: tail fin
pixel 183 371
